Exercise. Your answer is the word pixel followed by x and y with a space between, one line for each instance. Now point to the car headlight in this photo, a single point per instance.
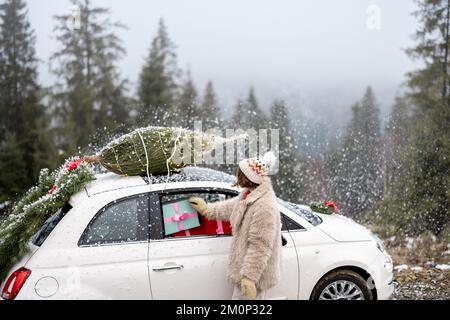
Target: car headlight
pixel 379 242
pixel 388 264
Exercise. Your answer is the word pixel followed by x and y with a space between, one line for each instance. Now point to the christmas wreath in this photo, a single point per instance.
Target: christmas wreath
pixel 36 206
pixel 326 207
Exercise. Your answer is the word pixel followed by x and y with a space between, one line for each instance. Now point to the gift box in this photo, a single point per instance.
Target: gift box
pixel 198 231
pixel 207 227
pixel 216 226
pixel 179 216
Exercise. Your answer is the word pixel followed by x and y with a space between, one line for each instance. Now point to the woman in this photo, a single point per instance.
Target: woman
pixel 254 259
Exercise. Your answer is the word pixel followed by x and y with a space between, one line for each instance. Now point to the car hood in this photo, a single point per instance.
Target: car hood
pixel 341 228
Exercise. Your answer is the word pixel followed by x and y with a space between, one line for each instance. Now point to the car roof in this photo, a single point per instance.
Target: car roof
pixel 110 181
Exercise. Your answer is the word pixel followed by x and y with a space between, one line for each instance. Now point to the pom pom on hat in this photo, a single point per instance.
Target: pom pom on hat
pixel 258 167
pixel 270 160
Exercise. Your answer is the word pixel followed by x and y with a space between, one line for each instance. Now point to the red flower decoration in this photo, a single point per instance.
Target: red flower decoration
pixel 333 205
pixel 53 189
pixel 74 164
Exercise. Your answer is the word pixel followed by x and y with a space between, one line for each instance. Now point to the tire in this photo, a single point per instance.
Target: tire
pixel 342 285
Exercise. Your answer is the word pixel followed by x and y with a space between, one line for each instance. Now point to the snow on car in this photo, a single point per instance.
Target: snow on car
pixel 108 242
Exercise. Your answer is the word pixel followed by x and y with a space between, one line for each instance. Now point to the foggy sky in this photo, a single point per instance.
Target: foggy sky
pixel 317 55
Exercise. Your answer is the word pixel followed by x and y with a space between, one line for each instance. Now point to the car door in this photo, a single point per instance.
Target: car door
pixel 288 288
pixel 194 266
pixel 112 252
pixel 310 242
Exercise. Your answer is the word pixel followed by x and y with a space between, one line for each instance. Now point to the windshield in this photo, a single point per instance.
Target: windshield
pixel 49 225
pixel 304 213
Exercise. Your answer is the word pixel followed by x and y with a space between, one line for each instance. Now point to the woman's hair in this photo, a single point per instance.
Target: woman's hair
pixel 242 181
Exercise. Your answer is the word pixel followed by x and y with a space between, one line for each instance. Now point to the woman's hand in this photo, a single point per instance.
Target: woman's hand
pixel 199 205
pixel 248 289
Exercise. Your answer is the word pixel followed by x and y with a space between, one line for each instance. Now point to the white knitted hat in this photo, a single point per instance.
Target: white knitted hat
pixel 258 167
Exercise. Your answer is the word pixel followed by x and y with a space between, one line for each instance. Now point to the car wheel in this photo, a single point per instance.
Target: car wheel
pixel 342 285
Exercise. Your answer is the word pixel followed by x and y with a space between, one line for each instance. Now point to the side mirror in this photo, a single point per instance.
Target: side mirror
pixel 283 241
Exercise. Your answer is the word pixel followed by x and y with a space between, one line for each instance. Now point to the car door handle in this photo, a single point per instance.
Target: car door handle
pixel 170 267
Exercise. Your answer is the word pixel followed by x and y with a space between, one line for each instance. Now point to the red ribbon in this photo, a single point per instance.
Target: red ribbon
pixel 219 229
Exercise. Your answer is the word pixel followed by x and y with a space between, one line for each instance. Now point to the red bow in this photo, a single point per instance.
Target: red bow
pixel 333 205
pixel 53 189
pixel 74 164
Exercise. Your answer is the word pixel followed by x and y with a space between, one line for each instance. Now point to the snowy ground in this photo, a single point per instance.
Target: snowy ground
pixel 421 268
pixel 422 284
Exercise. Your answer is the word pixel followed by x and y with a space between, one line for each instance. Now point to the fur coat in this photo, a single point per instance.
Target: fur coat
pixel 255 251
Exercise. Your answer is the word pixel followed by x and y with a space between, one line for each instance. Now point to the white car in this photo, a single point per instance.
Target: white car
pixel 108 242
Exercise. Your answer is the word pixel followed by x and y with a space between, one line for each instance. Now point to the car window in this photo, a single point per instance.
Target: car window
pixel 308 215
pixel 289 224
pixel 175 206
pixel 124 220
pixel 49 225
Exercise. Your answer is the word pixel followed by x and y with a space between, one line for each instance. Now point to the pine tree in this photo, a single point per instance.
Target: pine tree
pixel 18 68
pixel 287 183
pixel 187 110
pixel 396 136
pixel 333 176
pixel 210 111
pixel 164 148
pixel 248 114
pixel 13 168
pixel 22 121
pixel 157 82
pixel 237 121
pixel 394 207
pixel 360 187
pixel 426 199
pixel 90 94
